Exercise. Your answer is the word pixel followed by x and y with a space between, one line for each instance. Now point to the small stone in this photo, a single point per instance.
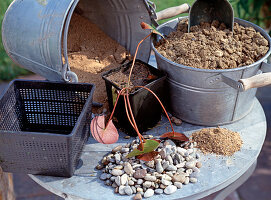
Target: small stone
pixel 166 177
pixel 136 166
pixel 139 189
pixel 149 193
pixel 166 182
pixel 113 178
pixel 178 178
pixel 197 156
pixel 117 181
pixel 186 180
pixel 99 167
pixel 103 176
pixel 176 121
pixel 147 136
pixel 190 164
pixel 158 191
pixel 150 163
pixel 198 164
pixel 125 150
pixel 117 158
pixel 134 189
pixel 163 154
pixel 179 185
pixel 114 185
pixel 180 170
pixel 159 167
pixel 170 189
pixel 182 164
pixel 123 179
pixel 169 174
pixel 138 196
pixel 162 186
pixel 140 173
pixel 171 168
pixel 121 190
pixel 108 176
pixel 108 182
pixel 218 53
pixel 195 169
pixel 181 151
pixel 168 149
pixel 105 161
pixel 140 181
pixel 193 180
pixel 127 137
pixel 169 159
pixel 189 171
pixel 130 182
pixel 147 184
pixel 116 190
pixel 128 190
pixel 165 164
pixel 120 167
pixel 150 178
pixel 128 168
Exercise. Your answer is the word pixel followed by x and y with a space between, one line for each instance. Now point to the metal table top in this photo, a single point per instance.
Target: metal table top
pixel 217 172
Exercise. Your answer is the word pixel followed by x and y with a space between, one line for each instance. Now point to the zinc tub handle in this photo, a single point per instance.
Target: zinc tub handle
pixel 259 80
pixel 172 11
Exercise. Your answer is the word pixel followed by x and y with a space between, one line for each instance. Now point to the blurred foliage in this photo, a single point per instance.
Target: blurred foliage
pixel 255 11
pixel 8 70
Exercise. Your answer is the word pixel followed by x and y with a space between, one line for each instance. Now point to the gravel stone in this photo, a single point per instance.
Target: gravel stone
pixel 123 179
pixel 128 190
pixel 150 178
pixel 117 172
pixel 193 180
pixel 147 184
pixel 190 164
pixel 117 158
pixel 148 193
pixel 159 167
pixel 186 180
pixel 128 168
pixel 170 189
pixel 125 150
pixel 103 176
pixel 178 178
pixel 138 196
pixel 121 190
pixel 179 185
pixel 171 168
pixel 130 182
pixel 140 173
pixel 117 181
pixel 139 181
pixel 158 191
pixel 166 182
pixel 198 164
pixel 116 149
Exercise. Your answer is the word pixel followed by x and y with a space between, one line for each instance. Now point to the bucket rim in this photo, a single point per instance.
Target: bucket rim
pixel 237 20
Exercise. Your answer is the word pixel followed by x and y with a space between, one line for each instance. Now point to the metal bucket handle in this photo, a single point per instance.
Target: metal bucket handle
pixel 259 80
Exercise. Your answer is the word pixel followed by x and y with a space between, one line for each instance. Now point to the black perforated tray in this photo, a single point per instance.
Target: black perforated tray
pixel 43 126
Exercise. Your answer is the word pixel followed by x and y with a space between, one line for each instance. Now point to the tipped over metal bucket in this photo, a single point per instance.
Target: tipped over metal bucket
pixel 212 97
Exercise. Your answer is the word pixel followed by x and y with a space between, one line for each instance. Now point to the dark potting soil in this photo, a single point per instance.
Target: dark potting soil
pixel 141 76
pixel 212 46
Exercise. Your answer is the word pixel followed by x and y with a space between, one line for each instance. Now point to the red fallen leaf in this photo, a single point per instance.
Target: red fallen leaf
pixel 175 136
pixel 148 156
pixel 106 136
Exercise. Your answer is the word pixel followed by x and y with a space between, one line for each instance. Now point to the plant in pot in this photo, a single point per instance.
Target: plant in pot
pixel 107 133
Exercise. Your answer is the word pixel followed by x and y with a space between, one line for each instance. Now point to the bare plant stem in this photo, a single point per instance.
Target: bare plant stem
pixel 160 104
pixel 131 70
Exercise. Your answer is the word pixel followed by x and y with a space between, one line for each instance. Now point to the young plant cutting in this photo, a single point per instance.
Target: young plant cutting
pixel 108 134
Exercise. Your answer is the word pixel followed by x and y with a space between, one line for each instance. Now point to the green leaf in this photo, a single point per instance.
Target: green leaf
pixel 148 146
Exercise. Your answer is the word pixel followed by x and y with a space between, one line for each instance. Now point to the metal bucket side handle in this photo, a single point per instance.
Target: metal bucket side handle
pixel 259 80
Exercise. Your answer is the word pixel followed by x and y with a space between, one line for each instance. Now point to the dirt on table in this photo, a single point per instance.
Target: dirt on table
pixel 91 53
pixel 220 141
pixel 141 76
pixel 212 46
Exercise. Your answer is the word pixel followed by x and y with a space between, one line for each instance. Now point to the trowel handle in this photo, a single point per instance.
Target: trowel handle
pixel 256 81
pixel 172 11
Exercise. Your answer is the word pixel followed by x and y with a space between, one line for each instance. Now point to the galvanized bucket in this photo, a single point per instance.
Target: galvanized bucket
pixel 212 97
pixel 34 32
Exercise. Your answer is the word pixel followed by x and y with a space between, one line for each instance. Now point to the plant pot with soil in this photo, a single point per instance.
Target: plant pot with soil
pixel 146 109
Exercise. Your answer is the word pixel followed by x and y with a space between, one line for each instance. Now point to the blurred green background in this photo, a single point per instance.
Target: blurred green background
pixel 256 11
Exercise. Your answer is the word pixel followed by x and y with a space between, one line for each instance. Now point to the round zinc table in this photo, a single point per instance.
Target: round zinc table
pixel 218 173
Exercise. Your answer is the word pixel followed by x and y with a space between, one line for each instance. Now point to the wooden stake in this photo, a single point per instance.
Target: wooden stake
pixel 6 186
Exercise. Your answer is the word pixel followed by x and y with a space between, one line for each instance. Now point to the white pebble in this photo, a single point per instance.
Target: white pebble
pixel 170 189
pixel 149 193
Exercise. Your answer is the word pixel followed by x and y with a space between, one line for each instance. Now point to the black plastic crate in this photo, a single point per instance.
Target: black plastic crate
pixel 43 126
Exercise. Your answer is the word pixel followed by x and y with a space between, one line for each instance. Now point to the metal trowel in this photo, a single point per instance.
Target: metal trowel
pixel 209 10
